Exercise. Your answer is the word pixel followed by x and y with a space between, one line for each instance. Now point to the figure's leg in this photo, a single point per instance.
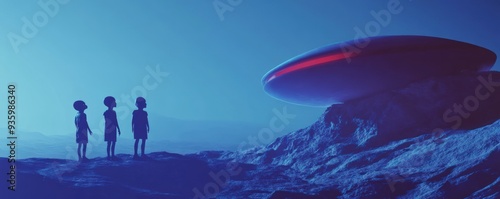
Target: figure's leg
pixel 135 146
pixel 79 151
pixel 84 151
pixel 108 148
pixel 143 146
pixel 113 148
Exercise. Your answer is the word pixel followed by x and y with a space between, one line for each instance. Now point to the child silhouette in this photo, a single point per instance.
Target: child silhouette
pixel 82 127
pixel 111 125
pixel 140 126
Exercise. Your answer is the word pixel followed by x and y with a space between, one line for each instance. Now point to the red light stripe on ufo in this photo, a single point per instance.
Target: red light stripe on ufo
pixel 310 63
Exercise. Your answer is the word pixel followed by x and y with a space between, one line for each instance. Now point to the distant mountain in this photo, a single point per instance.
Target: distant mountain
pixel 38 145
pixel 223 132
pixel 167 134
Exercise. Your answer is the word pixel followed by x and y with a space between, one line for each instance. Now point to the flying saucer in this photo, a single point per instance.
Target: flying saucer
pixel 345 71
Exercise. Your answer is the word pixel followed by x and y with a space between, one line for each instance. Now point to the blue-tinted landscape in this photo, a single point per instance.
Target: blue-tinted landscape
pixel 215 132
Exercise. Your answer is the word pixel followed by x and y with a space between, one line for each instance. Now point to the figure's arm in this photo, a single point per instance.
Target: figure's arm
pixel 133 122
pixel 147 123
pixel 117 126
pixel 87 125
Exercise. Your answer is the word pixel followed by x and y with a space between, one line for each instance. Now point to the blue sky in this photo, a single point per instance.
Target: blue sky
pixel 91 49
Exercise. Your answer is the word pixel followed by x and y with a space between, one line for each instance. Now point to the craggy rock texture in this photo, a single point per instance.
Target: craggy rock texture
pixel 393 144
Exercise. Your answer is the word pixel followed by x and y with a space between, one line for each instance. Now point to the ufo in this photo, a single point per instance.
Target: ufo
pixel 350 70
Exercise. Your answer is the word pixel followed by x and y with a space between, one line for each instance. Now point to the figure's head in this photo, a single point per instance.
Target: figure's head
pixel 140 102
pixel 110 102
pixel 79 105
